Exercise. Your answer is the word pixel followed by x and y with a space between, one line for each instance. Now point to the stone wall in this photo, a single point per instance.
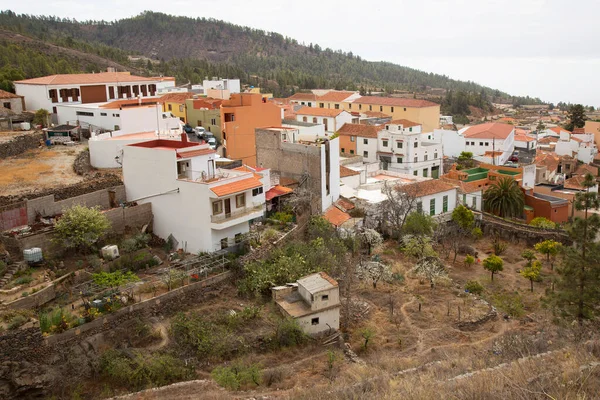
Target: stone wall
pixel 135 217
pixel 48 206
pixel 520 233
pixel 20 144
pixel 39 298
pixel 29 344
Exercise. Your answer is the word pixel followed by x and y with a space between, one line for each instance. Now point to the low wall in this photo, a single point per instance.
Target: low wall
pixel 47 206
pixel 20 144
pixel 30 345
pixel 135 217
pixel 514 232
pixel 37 299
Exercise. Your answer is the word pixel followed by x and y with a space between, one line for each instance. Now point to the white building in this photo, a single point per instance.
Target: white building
pixel 49 91
pixel 435 197
pixel 402 147
pixel 361 140
pixel 333 119
pixel 491 143
pixel 220 88
pixel 314 301
pixel 204 208
pixel 524 141
pixel 580 146
pixel 446 120
pixel 307 131
pixel 125 116
pixel 303 99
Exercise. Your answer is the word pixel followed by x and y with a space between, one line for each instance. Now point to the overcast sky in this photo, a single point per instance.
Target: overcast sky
pixel 542 48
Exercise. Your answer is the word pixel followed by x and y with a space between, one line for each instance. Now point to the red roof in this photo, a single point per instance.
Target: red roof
pixel 523 138
pixel 194 153
pixel 277 191
pixel 558 129
pixel 345 204
pixel 404 122
pixel 165 144
pixel 87 79
pixel 425 188
pixel 489 131
pixel 335 96
pixel 345 171
pixel 320 112
pixel 395 101
pixel 235 187
pixel 8 95
pixel 176 97
pixel 361 130
pixel 303 96
pixel 336 216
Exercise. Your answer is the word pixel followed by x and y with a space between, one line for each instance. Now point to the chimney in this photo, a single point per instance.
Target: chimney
pixel 184 137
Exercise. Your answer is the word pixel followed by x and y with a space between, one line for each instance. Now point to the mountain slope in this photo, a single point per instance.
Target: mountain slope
pixel 191 49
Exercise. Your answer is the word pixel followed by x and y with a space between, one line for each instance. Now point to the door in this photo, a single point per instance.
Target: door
pixel 227 207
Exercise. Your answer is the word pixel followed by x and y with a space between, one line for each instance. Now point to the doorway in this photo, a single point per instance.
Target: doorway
pixel 227 207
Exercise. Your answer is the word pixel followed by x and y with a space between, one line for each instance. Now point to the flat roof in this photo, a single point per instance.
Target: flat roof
pixel 318 282
pixel 551 199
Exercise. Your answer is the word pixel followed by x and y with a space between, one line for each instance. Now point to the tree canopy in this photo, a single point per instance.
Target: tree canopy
pixel 504 198
pixel 81 227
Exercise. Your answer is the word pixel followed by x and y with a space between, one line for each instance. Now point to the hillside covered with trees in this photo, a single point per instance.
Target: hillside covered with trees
pixel 191 49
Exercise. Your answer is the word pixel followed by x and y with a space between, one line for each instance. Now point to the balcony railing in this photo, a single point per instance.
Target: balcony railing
pixel 224 217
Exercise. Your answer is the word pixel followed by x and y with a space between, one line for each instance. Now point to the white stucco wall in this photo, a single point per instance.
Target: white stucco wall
pixel 36 96
pixel 328 319
pixel 370 148
pixel 334 174
pixel 453 143
pixel 439 202
pixel 471 200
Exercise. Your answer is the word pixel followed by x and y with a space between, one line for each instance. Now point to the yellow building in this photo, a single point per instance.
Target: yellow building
pixel 335 99
pixel 257 90
pixel 175 104
pixel 422 112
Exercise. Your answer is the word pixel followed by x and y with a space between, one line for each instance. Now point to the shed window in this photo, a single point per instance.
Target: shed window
pixel 257 191
pixel 325 297
pixel 365 141
pixel 217 207
pixel 314 321
pixel 385 143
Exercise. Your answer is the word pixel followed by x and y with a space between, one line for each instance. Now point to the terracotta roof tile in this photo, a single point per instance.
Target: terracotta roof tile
pixel 335 216
pixel 320 112
pixel 117 104
pixel 209 103
pixel 335 96
pixel 404 122
pixel 277 191
pixel 549 160
pixel 548 140
pixel 558 130
pixel 347 205
pixel 345 172
pixel 376 114
pixel 523 138
pixel 194 153
pixel 303 96
pixel 584 169
pixel 489 131
pixel 395 101
pixel 176 97
pixel 575 182
pixel 87 79
pixel 9 95
pixel 328 278
pixel 425 188
pixel 235 187
pixel 361 130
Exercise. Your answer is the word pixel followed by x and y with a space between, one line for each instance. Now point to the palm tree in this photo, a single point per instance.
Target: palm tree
pixel 504 198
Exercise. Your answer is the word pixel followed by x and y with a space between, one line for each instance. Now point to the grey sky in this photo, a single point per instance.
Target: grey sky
pixel 541 48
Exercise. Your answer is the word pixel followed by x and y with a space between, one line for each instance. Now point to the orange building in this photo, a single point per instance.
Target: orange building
pixel 240 116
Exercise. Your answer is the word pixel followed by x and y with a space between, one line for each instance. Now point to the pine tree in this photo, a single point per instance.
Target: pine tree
pixel 576 117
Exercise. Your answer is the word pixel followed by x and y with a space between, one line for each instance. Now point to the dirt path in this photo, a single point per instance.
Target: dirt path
pixel 164 334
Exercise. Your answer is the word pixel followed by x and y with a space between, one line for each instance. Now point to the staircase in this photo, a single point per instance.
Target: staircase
pixel 12 269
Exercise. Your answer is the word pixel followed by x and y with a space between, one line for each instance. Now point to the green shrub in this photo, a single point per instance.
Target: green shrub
pixel 289 333
pixel 3 268
pixel 24 294
pixel 469 260
pixel 541 222
pixel 207 339
pixel 499 247
pixel 136 242
pixel 23 272
pixel 94 261
pixel 17 321
pixel 56 320
pixel 24 280
pixel 283 217
pixel 477 233
pixel 510 303
pixel 474 287
pixel 237 375
pixel 270 235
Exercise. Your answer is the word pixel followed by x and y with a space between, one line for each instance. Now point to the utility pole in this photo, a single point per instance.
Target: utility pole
pixel 493 150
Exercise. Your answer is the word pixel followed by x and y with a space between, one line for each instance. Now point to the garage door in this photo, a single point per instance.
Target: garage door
pixel 93 94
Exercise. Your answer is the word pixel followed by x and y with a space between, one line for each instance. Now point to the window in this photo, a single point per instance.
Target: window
pixel 435 156
pixel 304 119
pixel 352 138
pixel 240 200
pixel 404 108
pixel 84 113
pixel 481 143
pixel 472 143
pixel 350 106
pixel 385 143
pixel 432 207
pixel 302 103
pixel 399 160
pixel 399 144
pixel 387 127
pixel 257 191
pixel 365 141
pixel 360 106
pixel 381 108
pixel 116 115
pixel 487 143
pixel 351 151
pixel 213 121
pixel 464 199
pixel 343 150
pixel 325 297
pixel 6 105
pixel 337 107
pixel 103 114
pixel 445 204
pixel 321 105
pixel 217 207
pixel 428 137
pixel 314 321
pixel 238 237
pixel 365 154
pixel 415 173
pixel 416 159
pixel 224 243
pixel 424 172
pixel 309 104
pixel 425 157
pixel 392 108
pixel 410 130
pixel 474 201
pixel 416 145
pixel 419 205
pixel 180 108
pixel 170 107
pixel 314 120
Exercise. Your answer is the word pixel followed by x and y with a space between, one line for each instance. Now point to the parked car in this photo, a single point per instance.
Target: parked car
pixel 200 131
pixel 514 158
pixel 187 128
pixel 212 142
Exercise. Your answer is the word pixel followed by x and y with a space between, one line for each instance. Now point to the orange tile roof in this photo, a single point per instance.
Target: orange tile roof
pixel 235 187
pixel 404 122
pixel 463 187
pixel 345 204
pixel 376 114
pixel 488 131
pixel 320 112
pixel 584 169
pixel 9 95
pixel 195 153
pixel 345 172
pixel 558 129
pixel 329 279
pixel 425 188
pixel 548 140
pixel 575 182
pixel 335 216
pixel 303 96
pixel 549 160
pixel 523 138
pixel 335 96
pixel 492 153
pixel 86 79
pixel 117 104
pixel 176 97
pixel 579 130
pixel 277 191
pixel 361 130
pixel 395 101
pixel 209 103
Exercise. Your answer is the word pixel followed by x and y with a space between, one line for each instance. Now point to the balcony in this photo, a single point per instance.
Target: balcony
pixel 222 219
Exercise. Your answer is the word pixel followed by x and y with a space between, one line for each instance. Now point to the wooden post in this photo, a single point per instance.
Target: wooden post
pixel 419 306
pixel 458 313
pixel 448 309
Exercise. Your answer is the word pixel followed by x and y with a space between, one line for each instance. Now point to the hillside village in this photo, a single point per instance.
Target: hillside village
pixel 326 244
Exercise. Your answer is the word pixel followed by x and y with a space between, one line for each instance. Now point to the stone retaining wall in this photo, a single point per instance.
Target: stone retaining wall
pixel 516 233
pixel 20 144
